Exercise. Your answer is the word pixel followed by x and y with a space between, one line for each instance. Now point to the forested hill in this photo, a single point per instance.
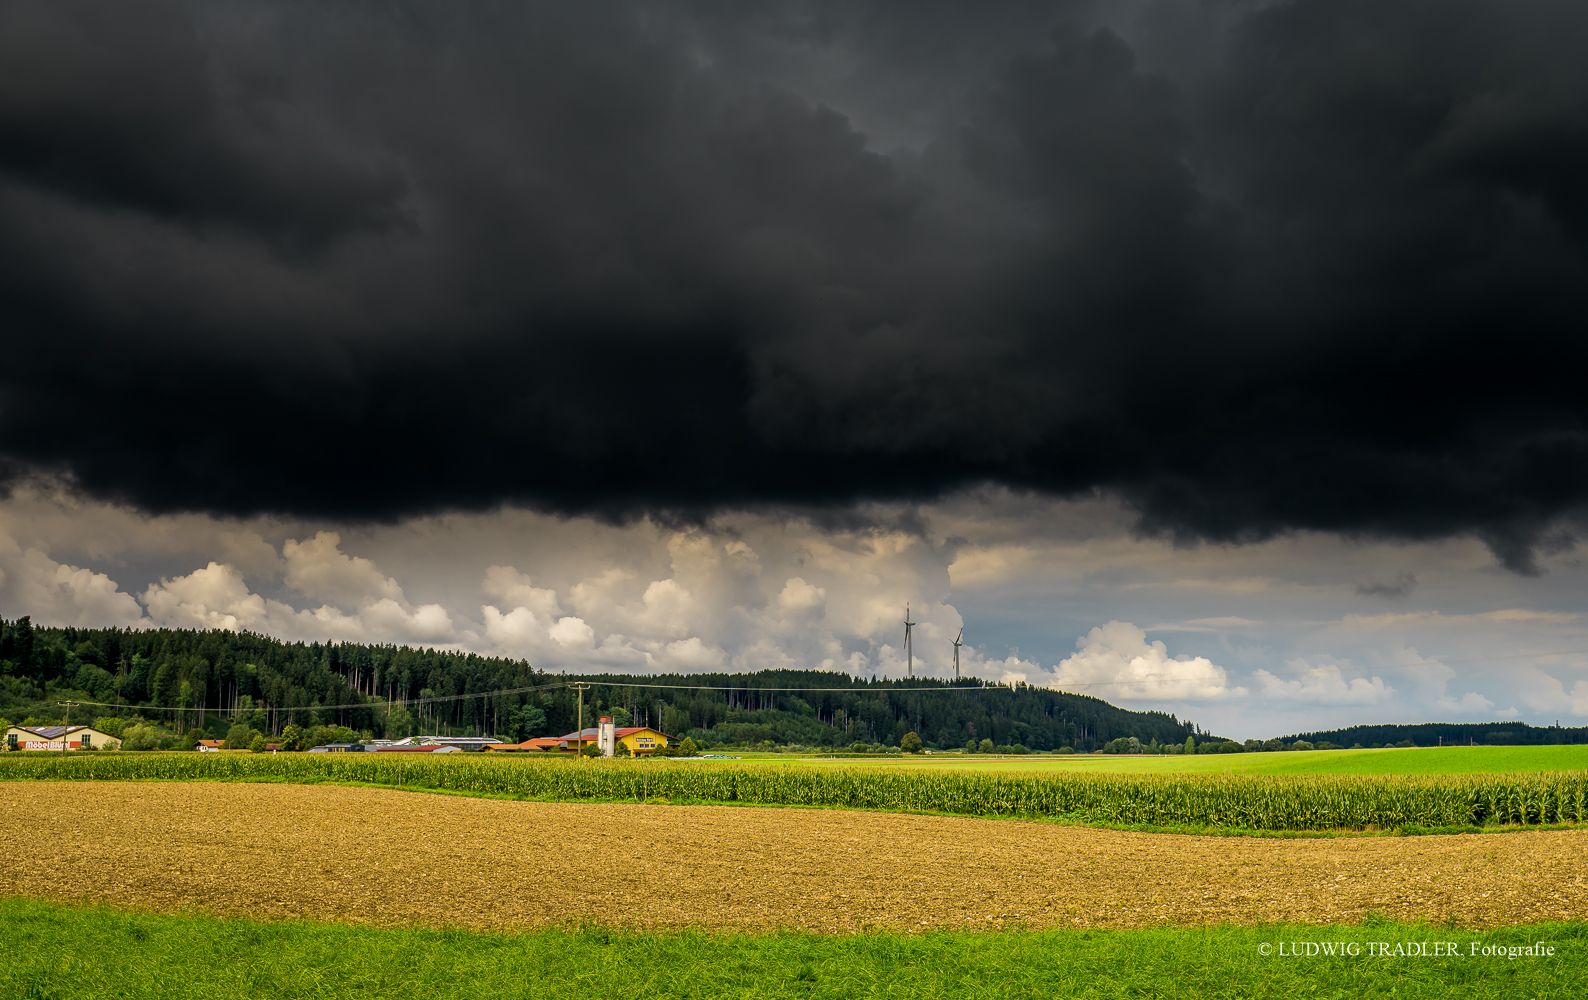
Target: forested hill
pixel 184 679
pixel 1431 734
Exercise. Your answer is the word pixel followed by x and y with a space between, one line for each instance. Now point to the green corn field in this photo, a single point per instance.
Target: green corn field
pixel 1240 801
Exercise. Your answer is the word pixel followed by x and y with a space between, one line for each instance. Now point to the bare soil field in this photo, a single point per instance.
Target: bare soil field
pixel 275 851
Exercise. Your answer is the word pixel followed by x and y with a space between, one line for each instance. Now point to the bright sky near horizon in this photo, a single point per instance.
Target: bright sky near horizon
pixel 1303 632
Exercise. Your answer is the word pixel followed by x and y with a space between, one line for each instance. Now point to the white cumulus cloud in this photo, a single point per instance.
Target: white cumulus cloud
pixel 1115 661
pixel 797 595
pixel 516 590
pixel 1471 703
pixel 573 632
pixel 218 596
pixel 321 571
pixel 56 593
pixel 1324 684
pixel 1579 698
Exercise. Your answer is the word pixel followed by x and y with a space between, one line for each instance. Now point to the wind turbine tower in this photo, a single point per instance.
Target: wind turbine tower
pixel 958 644
pixel 909 647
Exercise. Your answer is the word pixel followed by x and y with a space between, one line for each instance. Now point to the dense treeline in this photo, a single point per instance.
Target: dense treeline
pixel 185 679
pixel 1430 734
pixel 944 714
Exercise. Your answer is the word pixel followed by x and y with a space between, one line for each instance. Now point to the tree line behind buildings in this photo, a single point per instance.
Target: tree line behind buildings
pixel 181 680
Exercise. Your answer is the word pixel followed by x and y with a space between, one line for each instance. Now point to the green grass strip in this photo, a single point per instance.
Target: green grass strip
pixel 1228 801
pixel 88 953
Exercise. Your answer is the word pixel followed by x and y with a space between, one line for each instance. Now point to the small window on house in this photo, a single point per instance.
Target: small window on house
pixel 88 741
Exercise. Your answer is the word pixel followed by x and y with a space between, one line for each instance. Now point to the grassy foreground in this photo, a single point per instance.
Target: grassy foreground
pixel 94 952
pixel 1224 801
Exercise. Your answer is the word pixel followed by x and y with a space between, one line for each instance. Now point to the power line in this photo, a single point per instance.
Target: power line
pixel 859 687
pixel 373 703
pixel 879 686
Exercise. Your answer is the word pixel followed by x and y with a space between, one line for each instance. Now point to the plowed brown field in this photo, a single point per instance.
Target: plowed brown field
pixel 356 854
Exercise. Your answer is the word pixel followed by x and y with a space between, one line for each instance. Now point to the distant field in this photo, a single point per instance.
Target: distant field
pixel 1446 760
pixel 1410 790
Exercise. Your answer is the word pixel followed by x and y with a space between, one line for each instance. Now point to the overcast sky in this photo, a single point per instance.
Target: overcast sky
pixel 667 336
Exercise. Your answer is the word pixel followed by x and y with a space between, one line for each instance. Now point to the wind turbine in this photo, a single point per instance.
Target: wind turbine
pixel 909 648
pixel 958 644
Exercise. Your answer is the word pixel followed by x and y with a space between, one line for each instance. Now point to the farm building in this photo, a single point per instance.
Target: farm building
pixel 56 738
pixel 422 748
pixel 209 746
pixel 640 740
pixel 338 748
pixel 461 742
pixel 539 744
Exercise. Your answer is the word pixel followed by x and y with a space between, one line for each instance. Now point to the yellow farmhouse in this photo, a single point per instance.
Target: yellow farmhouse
pixel 641 740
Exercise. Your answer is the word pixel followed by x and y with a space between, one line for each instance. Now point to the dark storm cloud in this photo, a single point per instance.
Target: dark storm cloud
pixel 1251 267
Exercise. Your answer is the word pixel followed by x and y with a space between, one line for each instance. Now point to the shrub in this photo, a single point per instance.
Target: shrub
pixel 971 746
pixel 986 746
pixel 1065 750
pixel 910 743
pixel 140 738
pixel 1229 747
pixel 257 744
pixel 688 748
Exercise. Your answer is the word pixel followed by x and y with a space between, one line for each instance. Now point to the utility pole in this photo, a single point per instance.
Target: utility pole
pixel 66 721
pixel 909 648
pixel 581 687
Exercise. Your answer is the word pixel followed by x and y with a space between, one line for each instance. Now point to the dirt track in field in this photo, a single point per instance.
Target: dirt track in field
pixel 390 857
